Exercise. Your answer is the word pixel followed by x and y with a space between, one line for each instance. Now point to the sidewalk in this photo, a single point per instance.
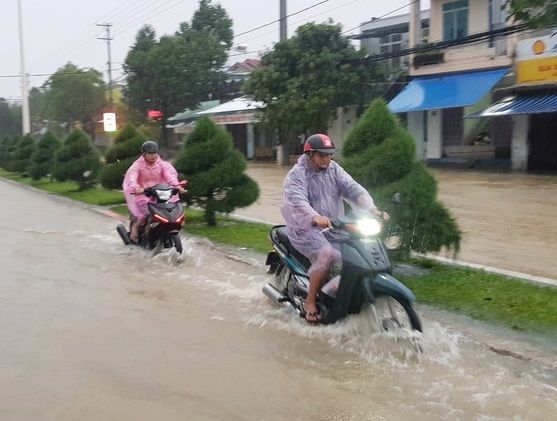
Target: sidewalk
pixel 508 220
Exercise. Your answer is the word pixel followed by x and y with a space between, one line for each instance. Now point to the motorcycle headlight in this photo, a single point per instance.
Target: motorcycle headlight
pixel 164 194
pixel 368 227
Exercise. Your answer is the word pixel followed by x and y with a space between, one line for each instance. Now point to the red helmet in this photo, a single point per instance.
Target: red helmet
pixel 320 143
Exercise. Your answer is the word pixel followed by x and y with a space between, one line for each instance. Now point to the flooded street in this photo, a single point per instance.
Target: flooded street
pixel 507 219
pixel 92 330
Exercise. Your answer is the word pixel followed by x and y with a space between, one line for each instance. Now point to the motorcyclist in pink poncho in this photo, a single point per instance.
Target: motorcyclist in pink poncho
pixel 146 171
pixel 313 194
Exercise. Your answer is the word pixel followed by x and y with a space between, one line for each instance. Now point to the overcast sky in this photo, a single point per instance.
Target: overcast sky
pixel 58 31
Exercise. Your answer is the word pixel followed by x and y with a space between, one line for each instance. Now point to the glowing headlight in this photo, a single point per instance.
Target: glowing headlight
pixel 164 194
pixel 368 227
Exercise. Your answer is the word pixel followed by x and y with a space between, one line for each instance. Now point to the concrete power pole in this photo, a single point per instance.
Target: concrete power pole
pixel 25 119
pixel 283 34
pixel 283 150
pixel 107 26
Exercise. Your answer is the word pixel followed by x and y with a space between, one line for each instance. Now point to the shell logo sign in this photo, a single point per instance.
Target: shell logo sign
pixel 536 60
pixel 538 47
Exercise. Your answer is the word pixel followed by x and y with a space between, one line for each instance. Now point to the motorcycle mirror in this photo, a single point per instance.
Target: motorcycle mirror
pixel 396 199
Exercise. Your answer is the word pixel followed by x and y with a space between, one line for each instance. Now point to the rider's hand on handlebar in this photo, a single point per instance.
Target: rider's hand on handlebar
pixel 181 190
pixel 384 216
pixel 139 190
pixel 321 221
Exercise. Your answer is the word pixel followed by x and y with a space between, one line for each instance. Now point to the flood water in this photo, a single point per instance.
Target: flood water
pixel 90 329
pixel 507 219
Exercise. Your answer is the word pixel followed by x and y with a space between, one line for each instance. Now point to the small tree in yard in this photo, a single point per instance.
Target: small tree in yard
pixel 215 171
pixel 126 149
pixel 380 154
pixel 42 160
pixel 7 147
pixel 21 157
pixel 77 160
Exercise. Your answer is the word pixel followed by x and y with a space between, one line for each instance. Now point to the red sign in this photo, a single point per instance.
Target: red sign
pixel 154 114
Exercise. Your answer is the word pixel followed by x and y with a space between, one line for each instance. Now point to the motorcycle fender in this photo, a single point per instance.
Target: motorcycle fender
pixel 385 284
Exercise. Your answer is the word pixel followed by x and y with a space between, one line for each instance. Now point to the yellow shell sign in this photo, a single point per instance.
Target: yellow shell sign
pixel 536 60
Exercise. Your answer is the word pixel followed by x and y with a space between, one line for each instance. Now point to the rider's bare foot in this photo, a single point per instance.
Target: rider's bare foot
pixel 311 314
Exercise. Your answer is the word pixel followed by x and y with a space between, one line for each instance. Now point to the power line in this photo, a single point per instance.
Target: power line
pixel 306 19
pixel 476 38
pixel 385 15
pixel 278 20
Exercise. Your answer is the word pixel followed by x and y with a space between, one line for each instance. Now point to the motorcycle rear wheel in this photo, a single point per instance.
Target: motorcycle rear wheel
pixel 395 313
pixel 177 242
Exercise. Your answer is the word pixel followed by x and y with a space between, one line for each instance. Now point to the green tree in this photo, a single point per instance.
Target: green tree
pixel 305 78
pixel 535 13
pixel 380 154
pixel 73 94
pixel 42 160
pixel 7 147
pixel 21 156
pixel 10 119
pixel 126 149
pixel 77 160
pixel 179 71
pixel 215 171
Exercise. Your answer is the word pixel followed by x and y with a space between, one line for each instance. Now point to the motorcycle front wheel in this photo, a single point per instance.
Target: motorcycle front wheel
pixel 395 313
pixel 177 242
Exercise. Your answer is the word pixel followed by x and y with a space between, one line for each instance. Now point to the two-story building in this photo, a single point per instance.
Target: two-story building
pixel 468 56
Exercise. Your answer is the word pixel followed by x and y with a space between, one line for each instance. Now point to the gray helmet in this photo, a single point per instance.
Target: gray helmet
pixel 150 147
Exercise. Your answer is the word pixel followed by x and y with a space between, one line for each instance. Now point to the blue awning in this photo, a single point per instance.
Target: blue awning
pixel 447 91
pixel 520 104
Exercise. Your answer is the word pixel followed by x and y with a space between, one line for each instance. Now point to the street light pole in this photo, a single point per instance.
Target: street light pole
pixel 25 120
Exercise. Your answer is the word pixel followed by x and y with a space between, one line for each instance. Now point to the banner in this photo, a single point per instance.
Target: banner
pixel 536 59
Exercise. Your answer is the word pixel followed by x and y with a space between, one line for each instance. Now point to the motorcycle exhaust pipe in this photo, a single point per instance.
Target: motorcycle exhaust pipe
pixel 274 294
pixel 124 234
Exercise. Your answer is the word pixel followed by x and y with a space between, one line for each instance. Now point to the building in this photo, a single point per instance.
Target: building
pixel 529 107
pixel 468 58
pixel 390 35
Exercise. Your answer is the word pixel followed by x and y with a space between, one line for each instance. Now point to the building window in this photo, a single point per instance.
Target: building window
pixel 390 44
pixel 455 20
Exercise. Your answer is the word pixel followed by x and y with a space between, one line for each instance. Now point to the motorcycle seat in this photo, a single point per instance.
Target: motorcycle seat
pixel 283 238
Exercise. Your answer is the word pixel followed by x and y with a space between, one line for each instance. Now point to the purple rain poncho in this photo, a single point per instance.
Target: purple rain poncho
pixel 308 192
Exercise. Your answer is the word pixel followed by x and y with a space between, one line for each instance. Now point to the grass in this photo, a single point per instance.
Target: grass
pixel 484 296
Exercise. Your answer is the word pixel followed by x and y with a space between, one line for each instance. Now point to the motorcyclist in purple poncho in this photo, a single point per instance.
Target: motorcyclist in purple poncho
pixel 313 193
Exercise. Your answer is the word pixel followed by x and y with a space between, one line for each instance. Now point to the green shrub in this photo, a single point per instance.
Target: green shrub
pixel 126 149
pixel 21 156
pixel 381 155
pixel 77 160
pixel 215 171
pixel 42 160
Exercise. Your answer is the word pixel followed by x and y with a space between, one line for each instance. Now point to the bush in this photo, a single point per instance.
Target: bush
pixel 7 147
pixel 215 171
pixel 42 160
pixel 126 149
pixel 21 156
pixel 381 155
pixel 77 160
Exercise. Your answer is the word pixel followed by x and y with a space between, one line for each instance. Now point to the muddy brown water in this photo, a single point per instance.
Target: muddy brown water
pixel 507 219
pixel 92 330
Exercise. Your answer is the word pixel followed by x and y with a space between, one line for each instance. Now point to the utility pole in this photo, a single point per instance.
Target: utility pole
pixel 107 26
pixel 283 34
pixel 25 119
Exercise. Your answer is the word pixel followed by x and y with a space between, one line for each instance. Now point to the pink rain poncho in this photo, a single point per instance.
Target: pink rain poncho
pixel 308 192
pixel 144 175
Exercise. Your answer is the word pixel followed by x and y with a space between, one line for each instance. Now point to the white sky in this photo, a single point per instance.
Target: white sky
pixel 58 31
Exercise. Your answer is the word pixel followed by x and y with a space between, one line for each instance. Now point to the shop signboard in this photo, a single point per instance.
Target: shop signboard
pixel 536 60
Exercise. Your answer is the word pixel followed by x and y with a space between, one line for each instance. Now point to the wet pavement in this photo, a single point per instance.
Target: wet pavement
pixel 91 329
pixel 507 219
